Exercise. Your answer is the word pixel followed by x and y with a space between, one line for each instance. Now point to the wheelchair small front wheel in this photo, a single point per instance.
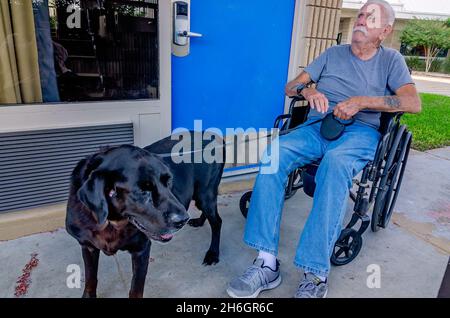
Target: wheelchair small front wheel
pixel 244 203
pixel 347 247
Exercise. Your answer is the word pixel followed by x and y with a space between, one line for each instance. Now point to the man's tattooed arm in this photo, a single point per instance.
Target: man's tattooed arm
pixel 405 100
pixel 392 101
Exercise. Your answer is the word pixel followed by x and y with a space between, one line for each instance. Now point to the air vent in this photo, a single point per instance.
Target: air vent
pixel 35 166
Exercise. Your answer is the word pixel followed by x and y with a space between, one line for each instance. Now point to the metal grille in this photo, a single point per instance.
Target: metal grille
pixel 35 166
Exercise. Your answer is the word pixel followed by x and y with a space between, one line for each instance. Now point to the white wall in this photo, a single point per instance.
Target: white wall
pixel 429 6
pixel 407 9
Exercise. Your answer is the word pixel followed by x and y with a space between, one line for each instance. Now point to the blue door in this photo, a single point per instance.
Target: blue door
pixel 235 74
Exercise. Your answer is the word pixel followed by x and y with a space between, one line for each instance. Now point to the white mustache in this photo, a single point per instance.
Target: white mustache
pixel 362 29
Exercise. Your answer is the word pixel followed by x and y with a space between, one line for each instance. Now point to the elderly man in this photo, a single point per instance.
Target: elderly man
pixel 353 81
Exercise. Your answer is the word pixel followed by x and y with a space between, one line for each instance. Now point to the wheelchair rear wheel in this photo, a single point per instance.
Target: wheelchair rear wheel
pixel 294 183
pixel 391 180
pixel 244 203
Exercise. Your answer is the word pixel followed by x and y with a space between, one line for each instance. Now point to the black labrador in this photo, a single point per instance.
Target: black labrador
pixel 197 178
pixel 123 197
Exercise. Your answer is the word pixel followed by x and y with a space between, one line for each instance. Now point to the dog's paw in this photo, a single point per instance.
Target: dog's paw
pixel 196 222
pixel 89 294
pixel 211 258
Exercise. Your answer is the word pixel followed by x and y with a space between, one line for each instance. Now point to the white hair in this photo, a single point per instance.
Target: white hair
pixel 387 8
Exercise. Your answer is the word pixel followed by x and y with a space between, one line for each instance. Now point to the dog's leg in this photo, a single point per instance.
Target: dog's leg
pixel 198 221
pixel 90 258
pixel 210 211
pixel 140 266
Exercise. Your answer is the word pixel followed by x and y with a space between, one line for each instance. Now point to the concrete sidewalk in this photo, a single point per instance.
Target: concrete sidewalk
pixel 412 252
pixel 432 85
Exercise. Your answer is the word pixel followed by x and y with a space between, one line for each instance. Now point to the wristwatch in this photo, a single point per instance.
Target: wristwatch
pixel 299 88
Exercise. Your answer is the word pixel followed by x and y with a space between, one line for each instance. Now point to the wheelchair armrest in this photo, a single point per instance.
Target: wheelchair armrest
pixel 297 98
pixel 280 118
pixel 292 117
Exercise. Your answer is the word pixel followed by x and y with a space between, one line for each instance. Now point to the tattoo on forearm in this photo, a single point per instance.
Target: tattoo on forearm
pixel 392 101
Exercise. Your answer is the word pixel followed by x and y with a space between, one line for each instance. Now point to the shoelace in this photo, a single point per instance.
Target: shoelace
pixel 308 285
pixel 250 278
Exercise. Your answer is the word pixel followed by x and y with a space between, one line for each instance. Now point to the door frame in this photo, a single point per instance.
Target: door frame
pixel 299 28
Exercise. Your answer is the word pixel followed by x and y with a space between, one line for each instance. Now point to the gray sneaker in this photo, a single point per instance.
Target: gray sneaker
pixel 311 287
pixel 254 280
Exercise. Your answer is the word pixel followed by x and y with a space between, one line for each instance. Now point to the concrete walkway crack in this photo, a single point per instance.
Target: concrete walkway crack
pixel 436 156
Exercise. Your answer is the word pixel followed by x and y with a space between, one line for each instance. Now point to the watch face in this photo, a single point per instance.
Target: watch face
pixel 299 88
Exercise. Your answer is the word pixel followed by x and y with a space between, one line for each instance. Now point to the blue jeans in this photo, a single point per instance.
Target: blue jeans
pixel 341 160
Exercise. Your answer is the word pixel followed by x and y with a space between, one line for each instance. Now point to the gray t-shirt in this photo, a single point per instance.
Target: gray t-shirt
pixel 340 74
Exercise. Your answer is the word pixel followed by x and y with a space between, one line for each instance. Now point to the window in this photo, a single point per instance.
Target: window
pixel 79 50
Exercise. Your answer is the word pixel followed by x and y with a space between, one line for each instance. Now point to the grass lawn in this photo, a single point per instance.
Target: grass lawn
pixel 431 127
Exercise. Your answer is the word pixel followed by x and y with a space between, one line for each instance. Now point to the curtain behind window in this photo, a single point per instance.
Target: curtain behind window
pixel 19 68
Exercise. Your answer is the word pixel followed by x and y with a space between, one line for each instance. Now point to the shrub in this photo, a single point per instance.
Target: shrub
pixel 437 66
pixel 446 65
pixel 415 63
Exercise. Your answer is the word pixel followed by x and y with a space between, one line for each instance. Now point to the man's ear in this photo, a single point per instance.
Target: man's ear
pixel 387 30
pixel 92 195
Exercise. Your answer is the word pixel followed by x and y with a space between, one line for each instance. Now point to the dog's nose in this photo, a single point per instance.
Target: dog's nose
pixel 178 220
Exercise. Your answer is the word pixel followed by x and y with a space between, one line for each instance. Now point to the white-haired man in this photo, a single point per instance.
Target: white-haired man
pixel 353 81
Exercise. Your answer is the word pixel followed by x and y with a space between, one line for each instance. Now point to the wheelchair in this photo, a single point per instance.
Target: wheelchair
pixel 377 186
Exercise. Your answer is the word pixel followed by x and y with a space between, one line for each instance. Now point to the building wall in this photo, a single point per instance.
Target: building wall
pixel 345 26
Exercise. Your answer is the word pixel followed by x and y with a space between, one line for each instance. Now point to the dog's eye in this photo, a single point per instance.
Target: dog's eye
pixel 146 186
pixel 166 180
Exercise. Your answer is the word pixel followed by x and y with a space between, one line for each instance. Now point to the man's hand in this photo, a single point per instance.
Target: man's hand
pixel 316 99
pixel 347 109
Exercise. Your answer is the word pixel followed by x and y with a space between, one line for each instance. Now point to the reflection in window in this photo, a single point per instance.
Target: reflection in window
pixel 78 50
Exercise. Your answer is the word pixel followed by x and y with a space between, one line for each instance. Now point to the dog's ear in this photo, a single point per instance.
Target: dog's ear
pixel 92 195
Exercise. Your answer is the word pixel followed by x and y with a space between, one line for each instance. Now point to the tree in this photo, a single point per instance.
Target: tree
pixel 432 35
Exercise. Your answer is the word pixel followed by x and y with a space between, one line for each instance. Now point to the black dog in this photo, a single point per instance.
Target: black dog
pixel 123 197
pixel 197 180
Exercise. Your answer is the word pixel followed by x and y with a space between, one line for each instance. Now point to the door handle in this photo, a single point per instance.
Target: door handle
pixel 190 34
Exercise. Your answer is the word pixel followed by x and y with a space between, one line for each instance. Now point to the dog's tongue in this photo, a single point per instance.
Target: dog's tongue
pixel 166 236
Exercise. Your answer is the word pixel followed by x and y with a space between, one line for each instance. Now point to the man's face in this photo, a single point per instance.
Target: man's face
pixel 371 25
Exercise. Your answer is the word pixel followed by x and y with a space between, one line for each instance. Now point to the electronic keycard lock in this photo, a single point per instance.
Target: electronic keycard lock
pixel 181 28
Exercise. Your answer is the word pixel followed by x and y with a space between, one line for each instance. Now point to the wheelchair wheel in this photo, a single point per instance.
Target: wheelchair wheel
pixel 390 181
pixel 347 247
pixel 244 203
pixel 396 181
pixel 295 178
